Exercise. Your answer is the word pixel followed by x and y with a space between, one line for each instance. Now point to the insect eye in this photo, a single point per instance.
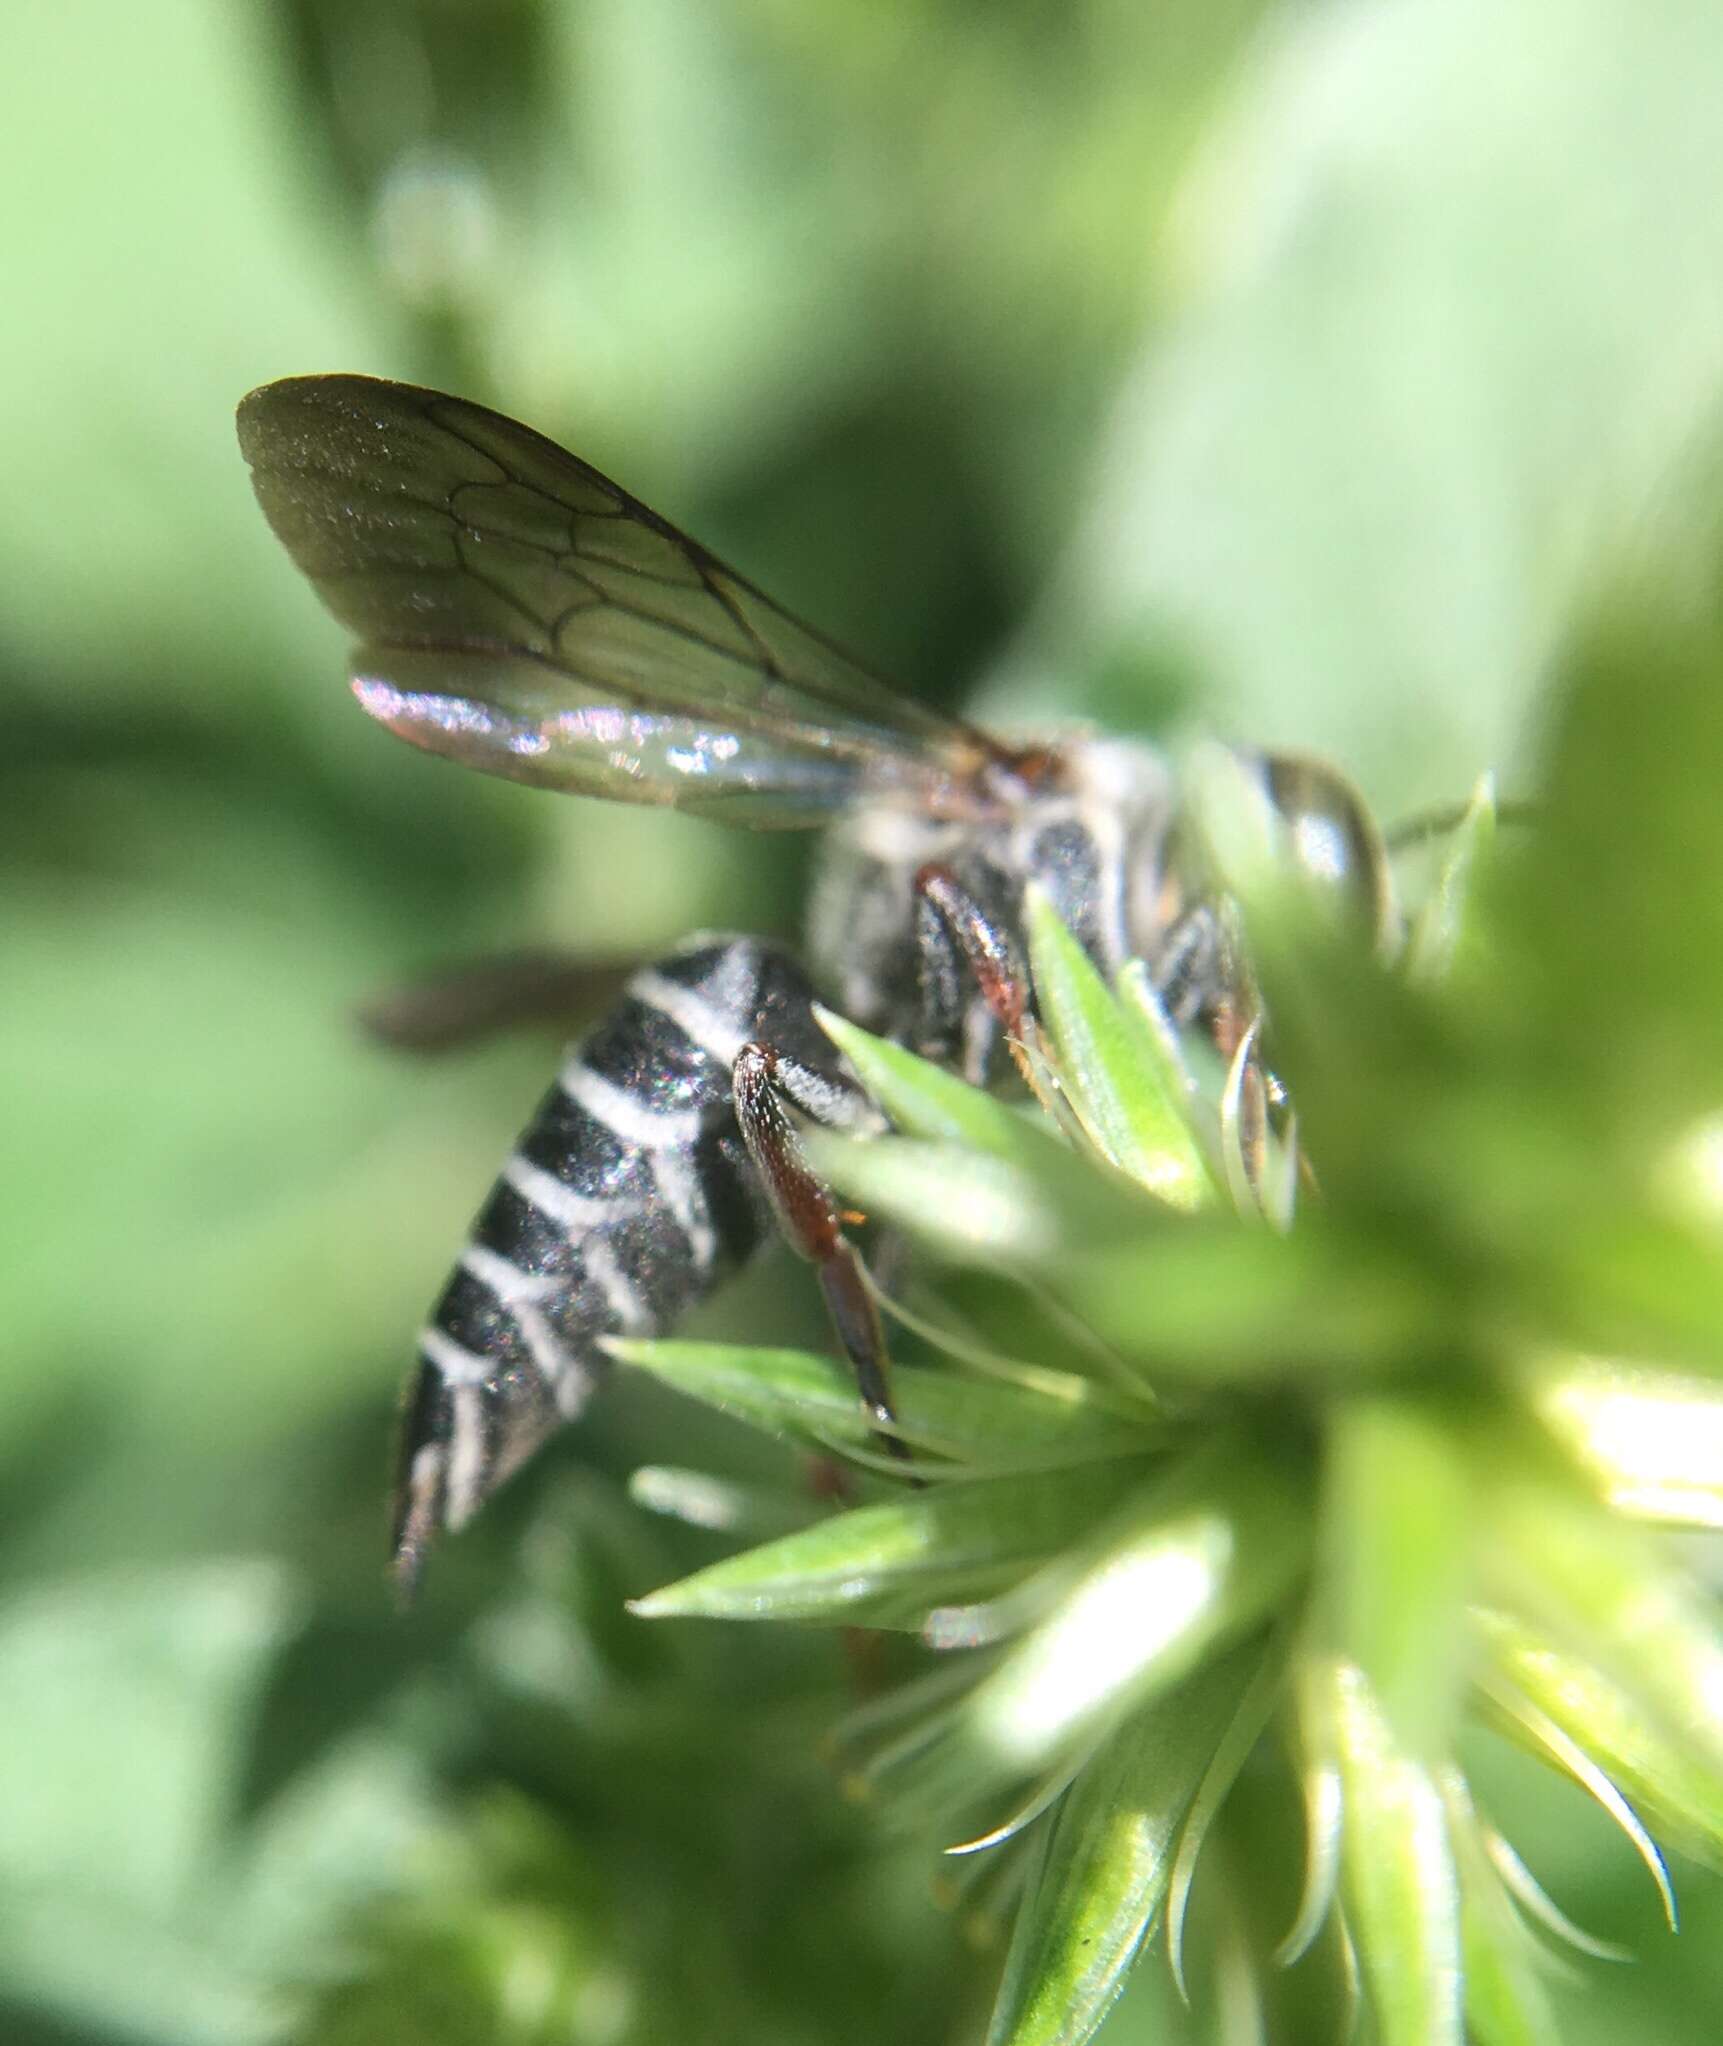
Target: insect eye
pixel 1332 836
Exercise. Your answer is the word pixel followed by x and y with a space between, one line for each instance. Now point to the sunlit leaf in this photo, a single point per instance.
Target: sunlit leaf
pixel 1596 1730
pixel 1395 1546
pixel 814 1398
pixel 1102 1870
pixel 1410 392
pixel 1401 1888
pixel 969 1205
pixel 1652 1440
pixel 1111 1072
pixel 886 1565
pixel 926 1101
pixel 1603 1587
pixel 1187 1565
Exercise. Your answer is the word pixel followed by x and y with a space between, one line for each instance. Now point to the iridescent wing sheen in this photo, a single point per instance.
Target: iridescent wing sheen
pixel 517 611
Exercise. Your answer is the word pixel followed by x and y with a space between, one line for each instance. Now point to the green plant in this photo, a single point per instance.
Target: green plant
pixel 1251 1453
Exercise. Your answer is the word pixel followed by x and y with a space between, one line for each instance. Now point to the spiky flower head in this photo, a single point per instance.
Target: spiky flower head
pixel 1259 1450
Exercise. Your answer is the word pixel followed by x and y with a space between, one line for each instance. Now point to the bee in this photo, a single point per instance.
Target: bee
pixel 516 611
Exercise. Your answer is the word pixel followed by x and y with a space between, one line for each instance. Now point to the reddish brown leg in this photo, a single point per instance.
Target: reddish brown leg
pixel 983 942
pixel 808 1215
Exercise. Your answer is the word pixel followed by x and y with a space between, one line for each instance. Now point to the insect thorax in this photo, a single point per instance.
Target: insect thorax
pixel 1100 844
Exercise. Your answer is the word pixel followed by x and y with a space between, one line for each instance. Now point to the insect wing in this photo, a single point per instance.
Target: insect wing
pixel 517 611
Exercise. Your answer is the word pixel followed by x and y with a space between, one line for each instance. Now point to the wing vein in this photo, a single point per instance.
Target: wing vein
pixel 576 639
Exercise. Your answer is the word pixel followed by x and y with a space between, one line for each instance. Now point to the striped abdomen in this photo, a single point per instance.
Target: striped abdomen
pixel 629 1196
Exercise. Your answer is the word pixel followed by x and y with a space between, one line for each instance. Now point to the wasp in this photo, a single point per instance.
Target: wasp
pixel 516 611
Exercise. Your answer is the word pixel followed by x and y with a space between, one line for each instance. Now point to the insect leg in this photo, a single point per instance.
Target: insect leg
pixel 964 950
pixel 806 1211
pixel 1193 972
pixel 470 1000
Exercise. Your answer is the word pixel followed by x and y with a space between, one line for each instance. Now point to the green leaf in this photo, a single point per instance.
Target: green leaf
pixel 886 1565
pixel 792 1392
pixel 1567 1711
pixel 1201 1298
pixel 1621 1277
pixel 1242 838
pixel 1104 1864
pixel 1395 1549
pixel 1652 1441
pixel 1401 1887
pixel 1315 1746
pixel 1190 1562
pixel 1608 1590
pixel 696 1498
pixel 1115 1071
pixel 1236 1745
pixel 1614 907
pixel 1539 1907
pixel 1506 2004
pixel 975 1207
pixel 1434 331
pixel 925 1101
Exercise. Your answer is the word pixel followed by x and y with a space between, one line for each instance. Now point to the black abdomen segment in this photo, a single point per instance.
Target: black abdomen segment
pixel 627 1199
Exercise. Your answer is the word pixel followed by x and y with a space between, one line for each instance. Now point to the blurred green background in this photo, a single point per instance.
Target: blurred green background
pixel 1289 372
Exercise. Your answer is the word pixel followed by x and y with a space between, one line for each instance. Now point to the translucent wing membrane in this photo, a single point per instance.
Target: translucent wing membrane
pixel 517 611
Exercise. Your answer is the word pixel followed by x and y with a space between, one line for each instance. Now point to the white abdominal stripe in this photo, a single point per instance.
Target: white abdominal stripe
pixel 628 1196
